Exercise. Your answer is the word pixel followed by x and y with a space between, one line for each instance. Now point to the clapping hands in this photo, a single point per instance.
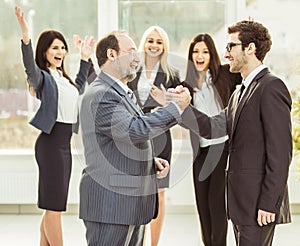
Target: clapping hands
pixel 85 46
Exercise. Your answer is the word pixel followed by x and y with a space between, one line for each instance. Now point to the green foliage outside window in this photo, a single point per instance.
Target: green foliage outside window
pixel 296 127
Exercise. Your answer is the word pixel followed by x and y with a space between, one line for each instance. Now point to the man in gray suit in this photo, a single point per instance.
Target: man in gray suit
pixel 118 189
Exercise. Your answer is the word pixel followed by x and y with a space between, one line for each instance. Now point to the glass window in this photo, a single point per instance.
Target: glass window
pixel 16 105
pixel 181 19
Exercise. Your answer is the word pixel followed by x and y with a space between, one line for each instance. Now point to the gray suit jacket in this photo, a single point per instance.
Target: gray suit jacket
pixel 260 147
pixel 119 184
pixel 46 89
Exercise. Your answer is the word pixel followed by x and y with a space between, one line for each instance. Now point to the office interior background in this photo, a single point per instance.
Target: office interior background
pixel 182 20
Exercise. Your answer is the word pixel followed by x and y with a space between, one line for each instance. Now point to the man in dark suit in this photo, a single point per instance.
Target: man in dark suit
pixel 118 189
pixel 257 121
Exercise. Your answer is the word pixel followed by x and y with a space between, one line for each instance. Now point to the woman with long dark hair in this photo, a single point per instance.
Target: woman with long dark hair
pixel 55 117
pixel 210 85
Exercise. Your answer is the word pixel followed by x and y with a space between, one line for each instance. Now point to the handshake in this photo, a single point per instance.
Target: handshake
pixel 179 95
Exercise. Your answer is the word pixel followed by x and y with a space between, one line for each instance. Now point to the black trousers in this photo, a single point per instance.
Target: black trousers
pixel 254 235
pixel 210 199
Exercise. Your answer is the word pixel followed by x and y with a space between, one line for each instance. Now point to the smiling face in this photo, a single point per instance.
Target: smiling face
pixel 154 45
pixel 56 53
pixel 201 57
pixel 236 56
pixel 127 59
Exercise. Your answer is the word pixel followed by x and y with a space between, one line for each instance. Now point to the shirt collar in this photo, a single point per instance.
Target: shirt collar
pixel 208 77
pixel 119 82
pixel 251 75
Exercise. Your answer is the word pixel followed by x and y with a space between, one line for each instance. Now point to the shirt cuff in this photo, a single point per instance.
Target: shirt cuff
pixel 178 108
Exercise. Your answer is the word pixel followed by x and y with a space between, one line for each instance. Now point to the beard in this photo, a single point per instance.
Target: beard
pixel 238 64
pixel 130 77
pixel 127 75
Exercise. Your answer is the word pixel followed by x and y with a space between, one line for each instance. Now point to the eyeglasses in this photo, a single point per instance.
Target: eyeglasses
pixel 230 45
pixel 134 53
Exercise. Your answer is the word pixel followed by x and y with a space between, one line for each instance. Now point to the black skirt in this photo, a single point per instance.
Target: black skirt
pixel 162 145
pixel 53 155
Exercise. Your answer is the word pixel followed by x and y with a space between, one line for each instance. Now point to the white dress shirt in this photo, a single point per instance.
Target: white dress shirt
pixel 250 77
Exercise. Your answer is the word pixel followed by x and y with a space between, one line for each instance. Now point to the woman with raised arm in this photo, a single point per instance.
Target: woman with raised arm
pixel 55 117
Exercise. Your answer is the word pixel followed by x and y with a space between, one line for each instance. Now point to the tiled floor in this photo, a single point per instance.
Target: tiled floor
pixel 178 230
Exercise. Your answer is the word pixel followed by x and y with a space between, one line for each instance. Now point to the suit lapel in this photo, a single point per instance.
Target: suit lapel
pixel 134 106
pixel 114 85
pixel 238 106
pixel 134 84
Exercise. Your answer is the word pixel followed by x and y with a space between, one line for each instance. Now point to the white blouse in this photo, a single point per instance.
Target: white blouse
pixel 204 101
pixel 67 98
pixel 144 83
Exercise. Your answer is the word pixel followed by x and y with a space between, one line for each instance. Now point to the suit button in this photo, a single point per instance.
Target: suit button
pixel 230 150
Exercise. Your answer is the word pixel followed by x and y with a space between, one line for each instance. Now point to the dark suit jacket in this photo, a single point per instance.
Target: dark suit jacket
pixel 163 142
pixel 260 147
pixel 119 184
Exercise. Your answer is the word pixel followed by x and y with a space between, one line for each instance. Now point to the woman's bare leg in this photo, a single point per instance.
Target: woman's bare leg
pixel 51 229
pixel 156 224
pixel 43 239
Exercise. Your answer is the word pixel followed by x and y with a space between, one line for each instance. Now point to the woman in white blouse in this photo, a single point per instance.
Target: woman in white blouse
pixel 55 117
pixel 155 70
pixel 211 85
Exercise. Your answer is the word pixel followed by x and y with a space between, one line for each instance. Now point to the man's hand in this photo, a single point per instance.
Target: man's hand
pixel 180 95
pixel 264 217
pixel 162 167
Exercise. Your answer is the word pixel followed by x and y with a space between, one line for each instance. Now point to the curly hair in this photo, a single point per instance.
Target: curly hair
pixel 253 32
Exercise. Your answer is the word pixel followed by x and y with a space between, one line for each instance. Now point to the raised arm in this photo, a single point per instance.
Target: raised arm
pixel 85 48
pixel 34 73
pixel 23 24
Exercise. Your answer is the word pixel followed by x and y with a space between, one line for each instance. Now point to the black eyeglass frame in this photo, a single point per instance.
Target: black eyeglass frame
pixel 229 46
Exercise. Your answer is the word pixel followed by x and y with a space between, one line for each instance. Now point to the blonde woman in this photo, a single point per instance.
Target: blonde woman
pixel 155 70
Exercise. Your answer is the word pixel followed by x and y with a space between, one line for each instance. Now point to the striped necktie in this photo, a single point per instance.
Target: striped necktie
pixel 132 96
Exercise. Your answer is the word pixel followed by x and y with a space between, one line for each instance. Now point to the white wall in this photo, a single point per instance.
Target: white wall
pixel 18 178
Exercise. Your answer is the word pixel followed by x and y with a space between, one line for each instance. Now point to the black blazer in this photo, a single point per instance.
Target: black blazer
pixel 162 143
